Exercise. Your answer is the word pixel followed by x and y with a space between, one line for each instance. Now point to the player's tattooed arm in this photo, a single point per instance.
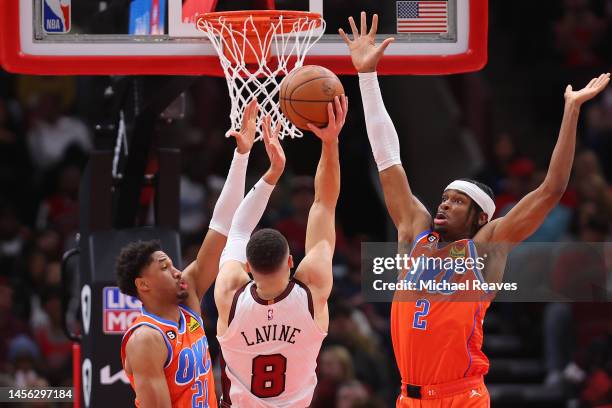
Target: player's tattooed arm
pixel 530 212
pixel 146 354
pixel 201 273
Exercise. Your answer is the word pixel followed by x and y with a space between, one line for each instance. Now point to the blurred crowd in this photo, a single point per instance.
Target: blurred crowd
pixel 565 43
pixel 45 135
pixel 43 150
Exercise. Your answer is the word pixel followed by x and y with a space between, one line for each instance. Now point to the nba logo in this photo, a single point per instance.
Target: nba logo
pixel 56 16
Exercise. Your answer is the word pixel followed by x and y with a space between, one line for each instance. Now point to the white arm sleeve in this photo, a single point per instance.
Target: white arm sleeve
pixel 245 220
pixel 381 132
pixel 231 195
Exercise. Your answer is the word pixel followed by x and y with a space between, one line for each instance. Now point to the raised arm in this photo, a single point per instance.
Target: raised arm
pixel 232 273
pixel 530 212
pixel 146 355
pixel 408 214
pixel 315 270
pixel 201 273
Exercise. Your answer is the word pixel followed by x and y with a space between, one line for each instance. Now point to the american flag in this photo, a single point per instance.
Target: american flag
pixel 422 16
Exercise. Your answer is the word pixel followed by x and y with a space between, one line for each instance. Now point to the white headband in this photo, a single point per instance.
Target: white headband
pixel 475 193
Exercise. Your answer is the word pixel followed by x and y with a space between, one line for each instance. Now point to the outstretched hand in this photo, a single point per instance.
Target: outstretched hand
pixel 335 120
pixel 365 54
pixel 246 136
pixel 588 92
pixel 274 150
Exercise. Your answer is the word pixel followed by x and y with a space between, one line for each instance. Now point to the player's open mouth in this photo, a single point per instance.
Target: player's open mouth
pixel 440 219
pixel 183 285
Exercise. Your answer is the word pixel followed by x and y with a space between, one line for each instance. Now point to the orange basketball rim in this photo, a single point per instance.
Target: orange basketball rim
pixel 254 29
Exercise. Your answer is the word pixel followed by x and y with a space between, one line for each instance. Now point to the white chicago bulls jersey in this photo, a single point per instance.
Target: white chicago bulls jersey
pixel 270 349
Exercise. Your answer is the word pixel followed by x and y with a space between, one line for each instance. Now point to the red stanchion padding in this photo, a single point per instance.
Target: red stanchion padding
pixel 76 374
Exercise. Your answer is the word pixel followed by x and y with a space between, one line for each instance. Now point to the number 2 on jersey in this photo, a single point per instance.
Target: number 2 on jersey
pixel 268 375
pixel 419 322
pixel 201 391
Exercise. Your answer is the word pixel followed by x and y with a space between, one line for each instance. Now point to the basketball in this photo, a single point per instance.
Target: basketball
pixel 305 93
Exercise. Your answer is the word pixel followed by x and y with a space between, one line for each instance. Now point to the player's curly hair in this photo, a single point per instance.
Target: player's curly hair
pixel 266 250
pixel 130 262
pixel 474 206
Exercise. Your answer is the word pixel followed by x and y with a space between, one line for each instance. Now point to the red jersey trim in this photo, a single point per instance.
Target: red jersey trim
pixel 226 383
pixel 277 299
pixel 309 294
pixel 235 302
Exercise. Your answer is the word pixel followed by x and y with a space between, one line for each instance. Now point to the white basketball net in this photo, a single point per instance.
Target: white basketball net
pixel 247 81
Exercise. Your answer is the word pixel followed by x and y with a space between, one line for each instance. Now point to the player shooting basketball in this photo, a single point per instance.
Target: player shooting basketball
pixel 438 345
pixel 270 328
pixel 165 351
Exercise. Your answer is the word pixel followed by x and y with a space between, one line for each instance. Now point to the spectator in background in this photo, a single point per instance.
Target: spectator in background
pixel 597 389
pixel 53 274
pixel 523 178
pixel 347 285
pixel 334 368
pixel 349 328
pixel 558 219
pixel 293 227
pixel 351 394
pixel 50 243
pixel 26 368
pixel 586 164
pixel 60 210
pixel 15 168
pixel 10 325
pixel 12 237
pixel 29 87
pixel 515 186
pixel 24 358
pixel 587 259
pixel 496 170
pixel 599 130
pixel 28 280
pixel 591 185
pixel 38 284
pixel 52 134
pixel 579 274
pixel 578 34
pixel 55 347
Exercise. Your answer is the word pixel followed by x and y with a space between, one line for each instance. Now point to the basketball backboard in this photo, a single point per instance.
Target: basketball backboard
pixel 140 37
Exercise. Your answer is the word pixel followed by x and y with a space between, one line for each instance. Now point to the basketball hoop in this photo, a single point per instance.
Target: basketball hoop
pixel 255 47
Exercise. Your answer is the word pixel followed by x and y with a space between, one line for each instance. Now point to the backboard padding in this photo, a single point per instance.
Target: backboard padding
pixel 112 54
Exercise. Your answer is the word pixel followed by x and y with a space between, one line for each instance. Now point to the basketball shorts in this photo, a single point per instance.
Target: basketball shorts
pixel 472 393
